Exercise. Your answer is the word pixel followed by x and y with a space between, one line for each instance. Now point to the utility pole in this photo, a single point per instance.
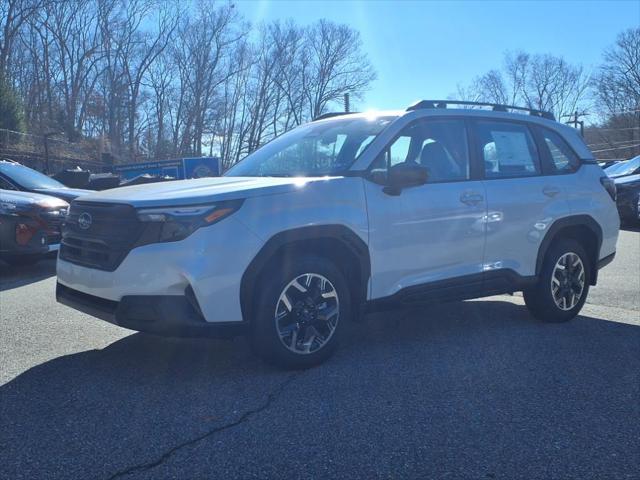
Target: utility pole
pixel 46 152
pixel 576 122
pixel 346 103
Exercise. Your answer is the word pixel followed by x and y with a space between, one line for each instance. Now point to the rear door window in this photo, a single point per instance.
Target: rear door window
pixel 507 149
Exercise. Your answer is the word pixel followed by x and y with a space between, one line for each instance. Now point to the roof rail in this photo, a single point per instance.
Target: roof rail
pixel 496 107
pixel 331 114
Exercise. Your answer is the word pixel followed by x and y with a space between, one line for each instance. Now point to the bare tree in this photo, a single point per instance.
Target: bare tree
pixel 336 65
pixel 617 94
pixel 544 82
pixel 155 78
pixel 75 55
pixel 14 14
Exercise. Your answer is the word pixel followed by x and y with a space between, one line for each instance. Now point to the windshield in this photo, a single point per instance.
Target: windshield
pixel 27 177
pixel 315 149
pixel 624 168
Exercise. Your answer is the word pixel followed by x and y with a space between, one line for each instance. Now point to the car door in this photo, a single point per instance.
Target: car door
pixel 428 234
pixel 522 202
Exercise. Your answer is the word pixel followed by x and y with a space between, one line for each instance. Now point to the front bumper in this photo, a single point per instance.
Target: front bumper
pixel 166 315
pixel 37 244
pixel 210 262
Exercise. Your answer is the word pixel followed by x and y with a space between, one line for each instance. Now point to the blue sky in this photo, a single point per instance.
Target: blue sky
pixel 423 49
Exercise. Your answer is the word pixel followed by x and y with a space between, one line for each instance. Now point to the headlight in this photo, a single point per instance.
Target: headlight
pixel 170 224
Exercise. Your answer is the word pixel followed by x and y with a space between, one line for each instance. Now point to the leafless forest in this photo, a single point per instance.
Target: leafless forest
pixel 165 78
pixel 154 79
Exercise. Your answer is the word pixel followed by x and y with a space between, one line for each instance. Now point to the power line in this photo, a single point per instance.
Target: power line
pixel 597 129
pixel 611 143
pixel 623 111
pixel 615 148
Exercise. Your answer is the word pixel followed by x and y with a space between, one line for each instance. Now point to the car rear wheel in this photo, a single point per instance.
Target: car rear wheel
pixel 300 313
pixel 563 285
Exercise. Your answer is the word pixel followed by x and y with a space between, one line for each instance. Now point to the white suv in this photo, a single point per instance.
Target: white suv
pixel 347 214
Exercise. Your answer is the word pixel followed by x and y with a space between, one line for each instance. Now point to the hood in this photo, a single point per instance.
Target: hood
pixel 66 194
pixel 201 190
pixel 11 200
pixel 627 179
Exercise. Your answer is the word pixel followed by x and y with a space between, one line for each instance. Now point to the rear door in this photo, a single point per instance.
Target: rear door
pixel 522 201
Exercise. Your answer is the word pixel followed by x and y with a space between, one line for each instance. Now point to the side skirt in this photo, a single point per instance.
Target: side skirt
pixel 478 285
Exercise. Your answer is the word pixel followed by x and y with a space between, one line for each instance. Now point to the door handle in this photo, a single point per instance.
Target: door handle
pixel 471 198
pixel 551 191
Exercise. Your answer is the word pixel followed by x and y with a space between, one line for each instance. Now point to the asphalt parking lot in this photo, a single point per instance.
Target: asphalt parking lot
pixel 474 389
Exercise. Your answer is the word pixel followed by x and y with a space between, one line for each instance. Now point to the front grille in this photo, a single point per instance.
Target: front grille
pixel 103 244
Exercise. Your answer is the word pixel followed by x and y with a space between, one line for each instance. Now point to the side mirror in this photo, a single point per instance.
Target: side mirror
pixel 403 175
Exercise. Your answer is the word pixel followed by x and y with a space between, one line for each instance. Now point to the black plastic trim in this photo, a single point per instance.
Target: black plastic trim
pixel 477 285
pixel 290 238
pixel 571 221
pixel 166 315
pixel 496 107
pixel 603 262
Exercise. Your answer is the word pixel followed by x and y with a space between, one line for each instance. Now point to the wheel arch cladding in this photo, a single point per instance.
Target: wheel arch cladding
pixel 337 243
pixel 582 228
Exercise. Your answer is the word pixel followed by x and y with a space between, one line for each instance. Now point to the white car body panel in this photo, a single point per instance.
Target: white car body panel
pixel 425 234
pixel 211 260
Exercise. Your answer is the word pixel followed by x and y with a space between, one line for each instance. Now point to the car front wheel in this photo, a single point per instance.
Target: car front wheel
pixel 300 313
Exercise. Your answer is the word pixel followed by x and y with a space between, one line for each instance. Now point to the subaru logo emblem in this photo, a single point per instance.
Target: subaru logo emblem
pixel 84 220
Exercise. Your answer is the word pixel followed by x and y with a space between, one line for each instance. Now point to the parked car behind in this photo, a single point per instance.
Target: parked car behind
pixel 621 169
pixel 628 198
pixel 29 225
pixel 15 176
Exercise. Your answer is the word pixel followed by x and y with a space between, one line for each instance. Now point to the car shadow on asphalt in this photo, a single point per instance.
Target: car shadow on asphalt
pixel 481 373
pixel 14 276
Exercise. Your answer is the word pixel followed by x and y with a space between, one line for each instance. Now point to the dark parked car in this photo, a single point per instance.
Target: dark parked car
pixel 29 225
pixel 14 176
pixel 628 198
pixel 622 169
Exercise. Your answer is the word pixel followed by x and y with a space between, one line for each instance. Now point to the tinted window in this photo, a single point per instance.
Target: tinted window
pixel 508 150
pixel 438 145
pixel 563 159
pixel 28 178
pixel 6 185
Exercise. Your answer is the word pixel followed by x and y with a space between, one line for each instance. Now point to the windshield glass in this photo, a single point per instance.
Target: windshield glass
pixel 315 149
pixel 27 177
pixel 624 168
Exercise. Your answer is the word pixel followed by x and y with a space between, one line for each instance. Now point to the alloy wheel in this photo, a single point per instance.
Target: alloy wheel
pixel 568 281
pixel 307 313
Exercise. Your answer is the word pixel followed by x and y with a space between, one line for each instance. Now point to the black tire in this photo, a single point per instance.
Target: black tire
pixel 263 334
pixel 539 299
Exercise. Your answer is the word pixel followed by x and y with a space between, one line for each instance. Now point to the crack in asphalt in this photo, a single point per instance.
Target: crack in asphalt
pixel 271 397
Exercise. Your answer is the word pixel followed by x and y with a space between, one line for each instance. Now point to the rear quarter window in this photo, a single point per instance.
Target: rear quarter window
pixel 561 157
